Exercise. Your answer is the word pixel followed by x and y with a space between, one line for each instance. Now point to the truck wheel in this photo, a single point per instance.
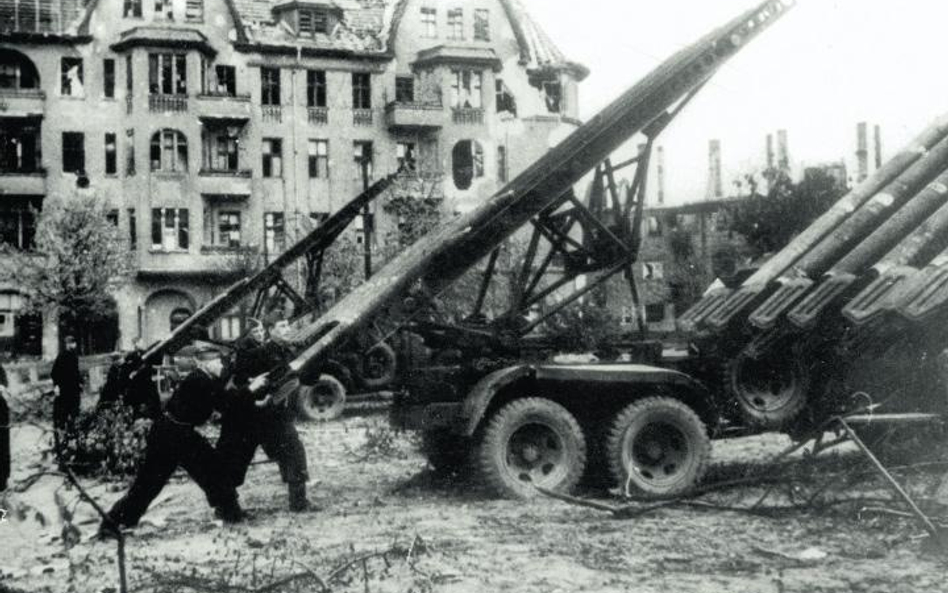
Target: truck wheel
pixel 657 447
pixel 378 366
pixel 323 400
pixel 531 442
pixel 770 391
pixel 445 451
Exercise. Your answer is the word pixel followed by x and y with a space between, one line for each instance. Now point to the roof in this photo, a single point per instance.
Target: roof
pixel 369 27
pixel 156 36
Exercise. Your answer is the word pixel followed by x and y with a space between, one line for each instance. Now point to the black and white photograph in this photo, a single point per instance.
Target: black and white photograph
pixel 473 296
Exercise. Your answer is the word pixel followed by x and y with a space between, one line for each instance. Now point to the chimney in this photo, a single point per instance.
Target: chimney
pixel 660 174
pixel 862 152
pixel 714 170
pixel 877 137
pixel 770 151
pixel 783 153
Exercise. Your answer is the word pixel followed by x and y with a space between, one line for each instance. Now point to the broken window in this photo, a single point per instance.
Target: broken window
pixel 130 152
pixel 169 229
pixel 74 152
pixel 108 78
pixel 111 154
pixel 456 23
pixel 429 22
pixel 132 9
pixel 319 159
pixel 274 236
pixel 132 229
pixel 315 88
pixel 225 81
pixel 465 89
pixel 552 92
pixel 272 156
pixel 164 9
pixel 169 151
pixel 17 223
pixel 228 229
pixel 504 99
pixel 361 90
pixel 270 86
pixel 405 155
pixel 467 163
pixel 71 77
pixel 362 154
pixel 481 24
pixel 167 74
pixel 220 148
pixel 404 89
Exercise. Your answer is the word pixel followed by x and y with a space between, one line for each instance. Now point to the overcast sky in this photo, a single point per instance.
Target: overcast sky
pixel 822 68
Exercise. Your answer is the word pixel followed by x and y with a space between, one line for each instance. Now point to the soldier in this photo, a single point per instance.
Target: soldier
pixel 173 441
pixel 67 381
pixel 245 426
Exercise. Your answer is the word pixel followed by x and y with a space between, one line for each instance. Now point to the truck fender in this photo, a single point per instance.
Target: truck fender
pixel 478 399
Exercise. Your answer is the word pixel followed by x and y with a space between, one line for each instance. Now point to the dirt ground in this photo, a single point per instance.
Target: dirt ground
pixel 388 523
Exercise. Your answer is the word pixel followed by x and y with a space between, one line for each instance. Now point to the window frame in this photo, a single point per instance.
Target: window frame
pixel 271 157
pixel 362 90
pixel 108 78
pixel 270 88
pixel 172 147
pixel 73 148
pixel 168 74
pixel 455 24
pixel 274 231
pixel 316 88
pixel 404 89
pixel 429 22
pixel 318 158
pixel 66 64
pixel 481 24
pixel 178 230
pixel 467 84
pixel 110 162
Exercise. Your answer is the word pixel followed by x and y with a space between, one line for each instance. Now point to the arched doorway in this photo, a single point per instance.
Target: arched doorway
pixel 165 310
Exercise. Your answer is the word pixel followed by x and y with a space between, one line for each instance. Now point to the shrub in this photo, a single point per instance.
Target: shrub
pixel 108 441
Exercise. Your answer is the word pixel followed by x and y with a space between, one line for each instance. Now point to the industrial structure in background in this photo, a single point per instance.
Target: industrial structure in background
pixel 220 130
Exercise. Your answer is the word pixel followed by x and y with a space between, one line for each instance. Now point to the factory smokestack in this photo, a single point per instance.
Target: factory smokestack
pixel 660 173
pixel 862 152
pixel 770 151
pixel 877 133
pixel 714 170
pixel 783 151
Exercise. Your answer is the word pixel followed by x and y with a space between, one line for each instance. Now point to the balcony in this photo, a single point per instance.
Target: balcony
pixel 22 102
pixel 23 182
pixel 414 115
pixel 318 115
pixel 222 106
pixel 467 116
pixel 227 181
pixel 168 103
pixel 271 113
pixel 362 117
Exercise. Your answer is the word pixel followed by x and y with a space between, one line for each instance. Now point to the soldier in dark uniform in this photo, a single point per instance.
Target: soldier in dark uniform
pixel 68 382
pixel 173 441
pixel 246 426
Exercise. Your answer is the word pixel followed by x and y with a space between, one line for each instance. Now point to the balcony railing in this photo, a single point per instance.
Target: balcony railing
pixel 213 172
pixel 166 103
pixel 272 113
pixel 212 94
pixel 24 171
pixel 362 117
pixel 318 115
pixel 468 116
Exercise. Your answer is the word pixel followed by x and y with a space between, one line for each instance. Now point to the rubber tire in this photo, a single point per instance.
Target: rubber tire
pixel 309 411
pixel 388 370
pixel 445 451
pixel 777 419
pixel 492 446
pixel 641 413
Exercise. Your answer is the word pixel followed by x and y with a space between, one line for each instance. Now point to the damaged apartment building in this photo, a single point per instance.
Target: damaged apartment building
pixel 213 127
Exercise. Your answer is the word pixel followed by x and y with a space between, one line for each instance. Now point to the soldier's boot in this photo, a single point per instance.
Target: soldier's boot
pixel 297 494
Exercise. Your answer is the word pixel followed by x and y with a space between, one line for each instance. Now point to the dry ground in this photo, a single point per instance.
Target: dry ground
pixel 443 535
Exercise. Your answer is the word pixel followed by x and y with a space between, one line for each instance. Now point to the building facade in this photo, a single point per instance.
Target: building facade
pixel 217 127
